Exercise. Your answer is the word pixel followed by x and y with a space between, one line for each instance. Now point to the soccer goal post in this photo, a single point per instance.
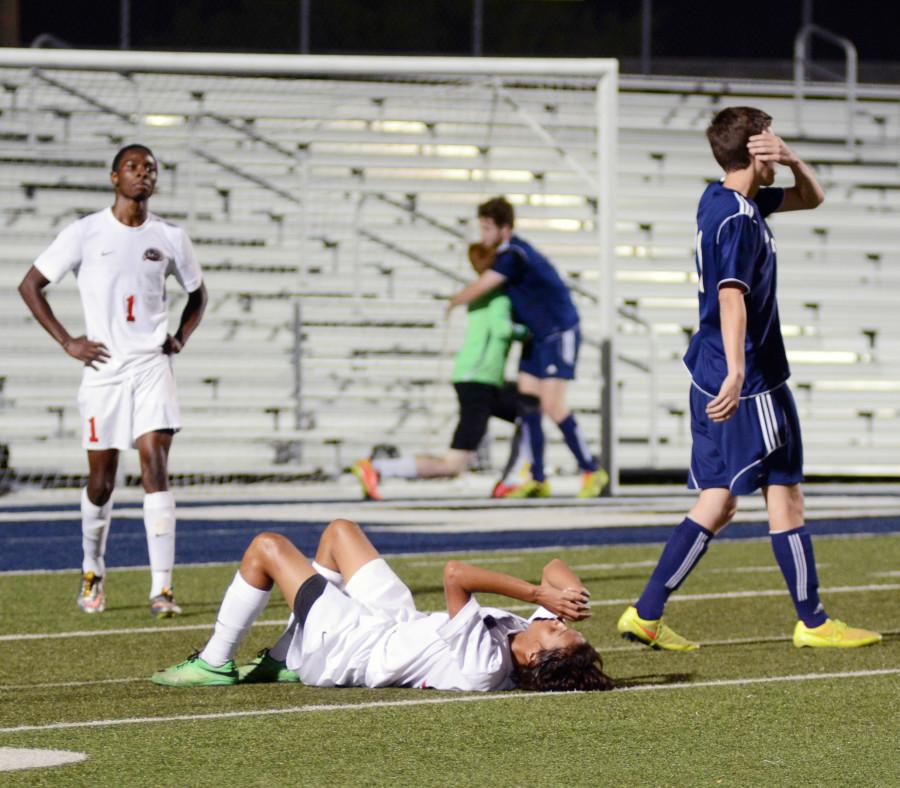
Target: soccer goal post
pixel 358 176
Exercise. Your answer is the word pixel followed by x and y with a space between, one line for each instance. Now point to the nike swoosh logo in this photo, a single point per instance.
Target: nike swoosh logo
pixel 103 254
pixel 647 632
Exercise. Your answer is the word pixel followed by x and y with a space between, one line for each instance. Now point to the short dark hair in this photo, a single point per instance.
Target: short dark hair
pixel 117 159
pixel 564 670
pixel 499 210
pixel 729 132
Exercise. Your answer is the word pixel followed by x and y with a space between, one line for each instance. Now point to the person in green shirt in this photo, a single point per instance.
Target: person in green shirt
pixel 478 377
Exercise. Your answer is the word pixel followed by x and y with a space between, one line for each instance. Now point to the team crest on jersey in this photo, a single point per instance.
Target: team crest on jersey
pixel 154 254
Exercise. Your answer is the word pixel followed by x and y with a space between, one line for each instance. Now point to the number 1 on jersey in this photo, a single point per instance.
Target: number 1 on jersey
pixel 130 315
pixel 92 438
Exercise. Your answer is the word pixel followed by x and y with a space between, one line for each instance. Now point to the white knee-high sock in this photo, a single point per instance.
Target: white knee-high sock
pixel 159 522
pixel 331 575
pixel 239 609
pixel 94 530
pixel 404 467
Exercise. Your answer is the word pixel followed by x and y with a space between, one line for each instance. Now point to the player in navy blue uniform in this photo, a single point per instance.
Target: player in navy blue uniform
pixel 744 425
pixel 542 302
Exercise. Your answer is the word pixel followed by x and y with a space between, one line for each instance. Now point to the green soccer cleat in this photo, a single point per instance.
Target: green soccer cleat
pixel 592 483
pixel 265 670
pixel 653 633
pixel 531 489
pixel 195 672
pixel 833 634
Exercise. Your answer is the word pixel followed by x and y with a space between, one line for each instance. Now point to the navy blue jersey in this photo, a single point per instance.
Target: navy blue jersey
pixel 539 296
pixel 734 246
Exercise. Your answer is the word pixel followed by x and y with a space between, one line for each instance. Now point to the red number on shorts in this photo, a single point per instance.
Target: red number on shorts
pixel 93 436
pixel 130 316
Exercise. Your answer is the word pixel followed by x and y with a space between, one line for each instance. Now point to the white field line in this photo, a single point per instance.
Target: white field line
pixel 432 701
pixel 594 603
pixel 630 647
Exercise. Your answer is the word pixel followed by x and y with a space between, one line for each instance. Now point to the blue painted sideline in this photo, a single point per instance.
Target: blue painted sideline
pixel 57 544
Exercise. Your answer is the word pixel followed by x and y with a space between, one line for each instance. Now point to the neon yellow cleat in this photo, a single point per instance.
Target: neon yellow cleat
pixel 592 483
pixel 531 489
pixel 833 634
pixel 653 633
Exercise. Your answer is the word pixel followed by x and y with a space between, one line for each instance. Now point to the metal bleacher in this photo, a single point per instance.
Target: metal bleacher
pixel 331 217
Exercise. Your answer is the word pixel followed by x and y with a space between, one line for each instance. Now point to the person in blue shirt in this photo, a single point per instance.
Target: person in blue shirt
pixel 542 302
pixel 744 425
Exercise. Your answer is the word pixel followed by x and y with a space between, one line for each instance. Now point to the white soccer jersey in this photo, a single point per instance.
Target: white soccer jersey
pixel 371 635
pixel 468 652
pixel 121 273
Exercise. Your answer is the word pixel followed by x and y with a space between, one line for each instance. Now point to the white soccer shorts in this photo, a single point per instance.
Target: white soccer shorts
pixel 115 413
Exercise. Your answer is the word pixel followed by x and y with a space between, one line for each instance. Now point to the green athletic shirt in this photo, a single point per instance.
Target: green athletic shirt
pixel 489 332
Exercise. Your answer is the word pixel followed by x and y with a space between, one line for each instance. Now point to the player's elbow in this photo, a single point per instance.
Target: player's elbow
pixel 199 297
pixel 452 573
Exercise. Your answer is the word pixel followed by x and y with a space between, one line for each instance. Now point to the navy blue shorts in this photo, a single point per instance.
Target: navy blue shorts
pixel 552 357
pixel 758 446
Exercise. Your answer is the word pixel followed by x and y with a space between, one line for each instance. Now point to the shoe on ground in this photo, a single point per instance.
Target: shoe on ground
pixel 163 605
pixel 264 670
pixel 833 634
pixel 92 597
pixel 502 490
pixel 531 489
pixel 367 477
pixel 593 483
pixel 195 672
pixel 652 633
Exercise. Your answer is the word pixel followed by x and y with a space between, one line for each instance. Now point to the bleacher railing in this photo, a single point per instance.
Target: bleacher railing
pixel 804 68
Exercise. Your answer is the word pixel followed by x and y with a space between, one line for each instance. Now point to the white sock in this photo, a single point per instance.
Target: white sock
pixel 404 467
pixel 280 649
pixel 94 530
pixel 159 522
pixel 239 609
pixel 331 575
pixel 523 458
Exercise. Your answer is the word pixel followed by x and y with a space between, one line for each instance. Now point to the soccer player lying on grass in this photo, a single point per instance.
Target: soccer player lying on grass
pixel 354 623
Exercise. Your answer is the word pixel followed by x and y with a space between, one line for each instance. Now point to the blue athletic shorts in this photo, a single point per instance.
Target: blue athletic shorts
pixel 758 446
pixel 552 357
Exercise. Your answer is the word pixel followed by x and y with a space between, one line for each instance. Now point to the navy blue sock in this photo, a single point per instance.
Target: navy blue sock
pixel 576 443
pixel 685 548
pixel 536 434
pixel 794 553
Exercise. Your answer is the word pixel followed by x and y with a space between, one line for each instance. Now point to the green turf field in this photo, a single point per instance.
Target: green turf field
pixel 748 709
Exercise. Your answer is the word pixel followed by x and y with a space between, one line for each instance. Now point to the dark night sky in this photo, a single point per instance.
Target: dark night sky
pixel 682 28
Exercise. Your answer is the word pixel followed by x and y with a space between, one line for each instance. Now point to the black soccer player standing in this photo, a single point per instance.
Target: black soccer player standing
pixel 121 257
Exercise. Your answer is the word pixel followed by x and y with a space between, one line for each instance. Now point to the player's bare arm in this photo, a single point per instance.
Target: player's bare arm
pixel 558 574
pixel 489 280
pixel 190 319
pixel 461 580
pixel 806 193
pixel 32 291
pixel 733 312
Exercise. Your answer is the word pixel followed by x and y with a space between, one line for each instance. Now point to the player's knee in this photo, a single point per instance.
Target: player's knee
pixel 266 543
pixel 729 510
pixel 100 489
pixel 341 530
